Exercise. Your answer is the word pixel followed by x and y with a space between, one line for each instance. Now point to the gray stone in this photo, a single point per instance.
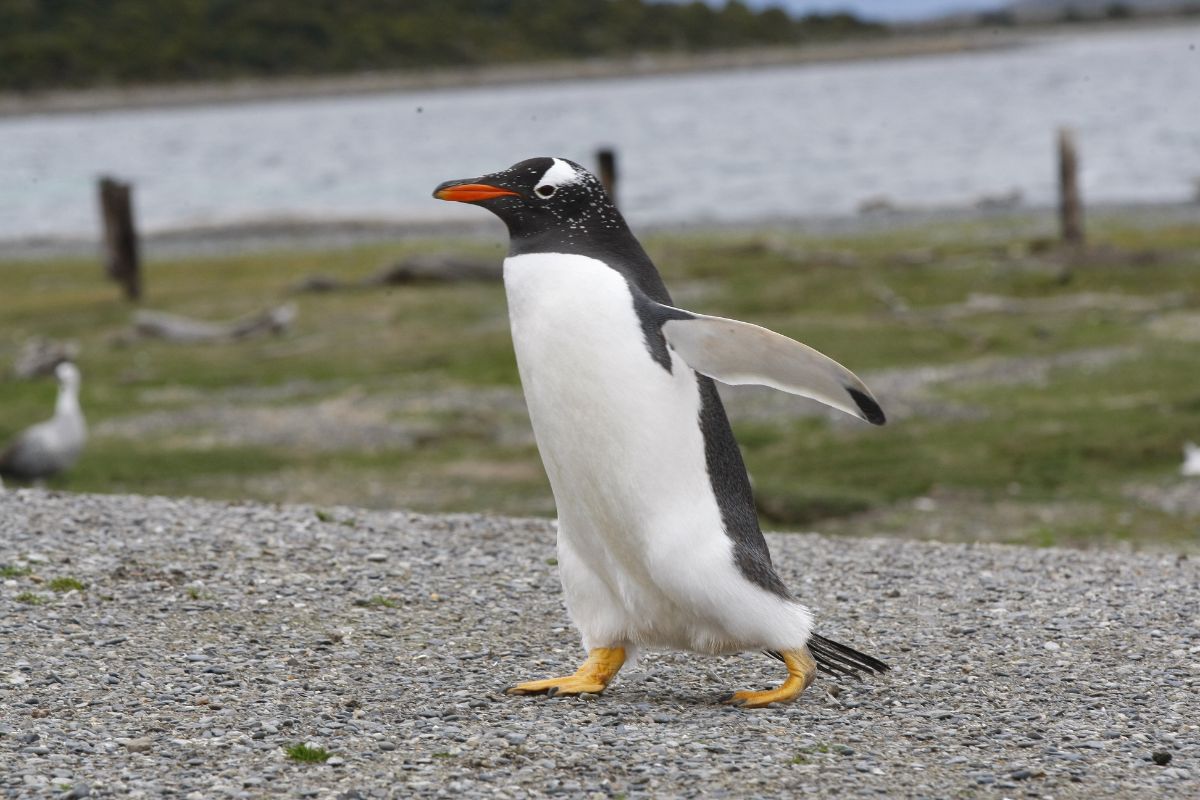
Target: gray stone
pixel 142 744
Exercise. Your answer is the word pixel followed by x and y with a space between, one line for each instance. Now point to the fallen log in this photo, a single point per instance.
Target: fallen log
pixel 437 268
pixel 185 330
pixel 419 269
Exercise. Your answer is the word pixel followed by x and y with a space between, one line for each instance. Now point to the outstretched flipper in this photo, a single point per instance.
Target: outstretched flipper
pixel 739 353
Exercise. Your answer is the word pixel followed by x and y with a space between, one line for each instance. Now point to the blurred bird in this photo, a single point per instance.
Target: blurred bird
pixel 1191 460
pixel 48 448
pixel 658 539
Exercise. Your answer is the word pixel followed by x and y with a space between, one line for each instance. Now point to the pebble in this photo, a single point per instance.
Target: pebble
pixel 409 700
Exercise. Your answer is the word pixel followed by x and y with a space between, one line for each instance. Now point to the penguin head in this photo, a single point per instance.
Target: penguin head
pixel 537 194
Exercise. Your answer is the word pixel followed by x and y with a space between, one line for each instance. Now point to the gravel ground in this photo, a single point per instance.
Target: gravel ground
pixel 211 636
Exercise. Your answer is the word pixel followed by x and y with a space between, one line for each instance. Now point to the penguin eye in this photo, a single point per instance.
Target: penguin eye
pixel 546 190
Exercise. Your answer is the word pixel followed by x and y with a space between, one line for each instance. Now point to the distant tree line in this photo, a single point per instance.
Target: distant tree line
pixel 79 43
pixel 1041 12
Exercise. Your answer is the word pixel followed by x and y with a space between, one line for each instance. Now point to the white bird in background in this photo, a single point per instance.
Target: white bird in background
pixel 48 448
pixel 1191 461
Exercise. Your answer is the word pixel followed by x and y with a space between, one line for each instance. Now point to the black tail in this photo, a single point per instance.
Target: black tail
pixel 837 659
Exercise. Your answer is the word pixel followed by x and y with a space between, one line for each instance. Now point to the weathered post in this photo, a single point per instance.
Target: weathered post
pixel 121 260
pixel 607 159
pixel 1070 204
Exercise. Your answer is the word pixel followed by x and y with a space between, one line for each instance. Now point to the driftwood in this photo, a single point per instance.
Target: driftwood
pixel 1070 202
pixel 1000 202
pixel 606 162
pixel 877 204
pixel 39 356
pixel 429 268
pixel 175 328
pixel 121 259
pixel 437 268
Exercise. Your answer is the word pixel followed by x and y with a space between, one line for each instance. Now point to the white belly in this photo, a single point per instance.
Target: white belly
pixel 642 549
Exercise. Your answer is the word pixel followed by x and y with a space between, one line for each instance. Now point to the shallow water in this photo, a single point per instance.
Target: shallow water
pixel 729 146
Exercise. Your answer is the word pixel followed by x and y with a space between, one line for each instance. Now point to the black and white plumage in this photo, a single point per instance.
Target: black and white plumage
pixel 659 543
pixel 51 447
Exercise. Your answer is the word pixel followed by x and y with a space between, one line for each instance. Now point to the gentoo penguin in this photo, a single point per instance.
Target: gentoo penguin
pixel 46 449
pixel 658 539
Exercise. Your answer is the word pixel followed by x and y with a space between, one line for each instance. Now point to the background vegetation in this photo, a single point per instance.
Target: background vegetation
pixel 79 43
pixel 1028 402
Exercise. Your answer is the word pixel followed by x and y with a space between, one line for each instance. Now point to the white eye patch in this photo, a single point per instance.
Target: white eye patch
pixel 559 175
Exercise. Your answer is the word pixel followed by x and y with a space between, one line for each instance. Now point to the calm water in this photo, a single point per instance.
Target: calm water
pixel 743 145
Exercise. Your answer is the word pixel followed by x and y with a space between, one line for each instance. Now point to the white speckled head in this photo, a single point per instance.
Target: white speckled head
pixel 560 174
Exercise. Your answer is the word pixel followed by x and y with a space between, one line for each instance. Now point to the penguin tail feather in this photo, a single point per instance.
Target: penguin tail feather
pixel 838 659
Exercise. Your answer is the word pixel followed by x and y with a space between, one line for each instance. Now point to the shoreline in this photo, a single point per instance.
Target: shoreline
pixel 301 234
pixel 254 90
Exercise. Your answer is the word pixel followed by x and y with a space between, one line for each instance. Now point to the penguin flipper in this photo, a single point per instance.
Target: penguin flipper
pixel 738 353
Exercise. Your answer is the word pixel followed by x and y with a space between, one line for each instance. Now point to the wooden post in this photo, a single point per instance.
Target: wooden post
pixel 121 260
pixel 607 158
pixel 1070 204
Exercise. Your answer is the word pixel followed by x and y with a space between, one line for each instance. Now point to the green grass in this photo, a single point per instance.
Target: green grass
pixel 66 584
pixel 29 598
pixel 13 571
pixel 1075 440
pixel 820 749
pixel 377 602
pixel 306 754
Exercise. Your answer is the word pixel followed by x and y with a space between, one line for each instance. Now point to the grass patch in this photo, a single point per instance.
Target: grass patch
pixel 377 602
pixel 804 756
pixel 30 599
pixel 439 359
pixel 13 571
pixel 305 753
pixel 66 584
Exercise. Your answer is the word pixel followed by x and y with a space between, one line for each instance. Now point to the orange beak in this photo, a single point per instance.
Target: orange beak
pixel 471 192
